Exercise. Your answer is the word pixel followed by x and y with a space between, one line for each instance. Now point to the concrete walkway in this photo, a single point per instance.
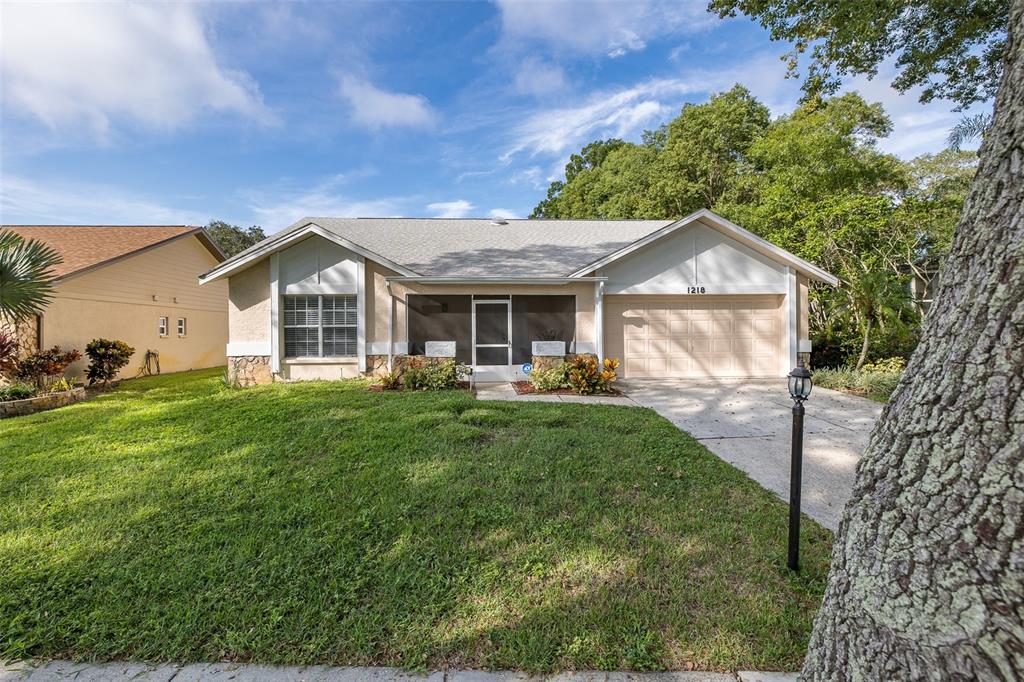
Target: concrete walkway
pixel 748 424
pixel 505 391
pixel 58 671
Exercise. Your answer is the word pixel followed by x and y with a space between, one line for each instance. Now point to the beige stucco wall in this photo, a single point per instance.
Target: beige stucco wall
pixel 584 292
pixel 117 302
pixel 249 303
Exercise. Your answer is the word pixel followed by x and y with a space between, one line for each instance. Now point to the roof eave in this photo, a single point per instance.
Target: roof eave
pixel 116 259
pixel 810 270
pixel 287 237
pixel 468 279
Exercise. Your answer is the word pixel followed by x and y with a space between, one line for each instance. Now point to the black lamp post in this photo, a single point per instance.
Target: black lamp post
pixel 799 389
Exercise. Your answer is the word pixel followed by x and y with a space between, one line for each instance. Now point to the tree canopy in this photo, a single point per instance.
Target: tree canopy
pixel 234 239
pixel 951 50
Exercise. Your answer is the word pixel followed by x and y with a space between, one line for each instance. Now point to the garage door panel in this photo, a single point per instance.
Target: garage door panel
pixel 695 336
pixel 701 328
pixel 677 328
pixel 679 366
pixel 659 346
pixel 636 348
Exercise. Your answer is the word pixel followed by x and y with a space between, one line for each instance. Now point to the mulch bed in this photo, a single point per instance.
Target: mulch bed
pixel 377 388
pixel 526 388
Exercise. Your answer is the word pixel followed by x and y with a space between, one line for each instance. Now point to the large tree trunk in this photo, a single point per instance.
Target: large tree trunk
pixel 927 576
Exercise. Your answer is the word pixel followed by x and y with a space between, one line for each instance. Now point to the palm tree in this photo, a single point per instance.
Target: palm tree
pixel 876 298
pixel 26 276
pixel 968 129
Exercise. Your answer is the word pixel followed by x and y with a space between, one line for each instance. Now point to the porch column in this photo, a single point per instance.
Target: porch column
pixel 391 328
pixel 599 320
pixel 275 315
pixel 792 311
pixel 361 313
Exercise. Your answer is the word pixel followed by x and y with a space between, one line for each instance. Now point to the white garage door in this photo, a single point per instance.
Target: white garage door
pixel 694 336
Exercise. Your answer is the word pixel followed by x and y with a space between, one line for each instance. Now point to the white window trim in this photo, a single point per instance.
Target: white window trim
pixel 163 326
pixel 320 331
pixel 182 327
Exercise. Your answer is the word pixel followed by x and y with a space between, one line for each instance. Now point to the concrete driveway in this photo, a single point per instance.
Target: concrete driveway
pixel 748 424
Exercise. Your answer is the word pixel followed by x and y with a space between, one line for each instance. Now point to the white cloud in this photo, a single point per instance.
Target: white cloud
pixel 69 64
pixel 27 201
pixel 616 114
pixel 917 128
pixel 278 207
pixel 374 108
pixel 532 176
pixel 459 208
pixel 536 77
pixel 506 213
pixel 609 27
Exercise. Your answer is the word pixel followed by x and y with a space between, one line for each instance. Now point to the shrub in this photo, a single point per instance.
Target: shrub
pixel 880 384
pixel 17 392
pixel 836 378
pixel 8 353
pixel 46 363
pixel 106 358
pixel 894 365
pixel 392 381
pixel 586 376
pixel 423 375
pixel 877 379
pixel 60 385
pixel 552 378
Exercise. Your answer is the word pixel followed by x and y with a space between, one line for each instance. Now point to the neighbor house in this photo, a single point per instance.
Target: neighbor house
pixel 137 284
pixel 693 298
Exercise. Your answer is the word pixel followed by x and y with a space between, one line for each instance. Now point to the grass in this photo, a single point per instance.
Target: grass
pixel 177 519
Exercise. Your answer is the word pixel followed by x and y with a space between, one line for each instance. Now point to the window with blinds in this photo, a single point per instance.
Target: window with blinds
pixel 320 326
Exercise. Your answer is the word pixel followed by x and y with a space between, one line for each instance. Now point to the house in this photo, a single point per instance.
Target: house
pixel 696 297
pixel 137 284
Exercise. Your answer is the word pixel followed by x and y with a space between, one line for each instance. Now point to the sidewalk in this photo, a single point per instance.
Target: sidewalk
pixel 56 671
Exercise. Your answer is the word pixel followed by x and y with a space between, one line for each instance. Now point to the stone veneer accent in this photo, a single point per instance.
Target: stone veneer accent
pixel 25 333
pixel 40 403
pixel 376 365
pixel 250 370
pixel 546 362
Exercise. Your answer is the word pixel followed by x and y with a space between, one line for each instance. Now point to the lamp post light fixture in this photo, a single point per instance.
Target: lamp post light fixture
pixel 799 390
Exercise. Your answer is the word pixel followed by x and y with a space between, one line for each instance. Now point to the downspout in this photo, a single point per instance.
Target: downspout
pixel 599 320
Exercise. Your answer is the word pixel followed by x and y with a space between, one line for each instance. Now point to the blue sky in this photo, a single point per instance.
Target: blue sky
pixel 258 112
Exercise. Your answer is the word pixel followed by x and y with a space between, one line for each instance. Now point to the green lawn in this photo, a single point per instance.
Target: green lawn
pixel 177 519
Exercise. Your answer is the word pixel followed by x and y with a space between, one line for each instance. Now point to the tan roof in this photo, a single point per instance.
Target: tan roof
pixel 469 247
pixel 86 246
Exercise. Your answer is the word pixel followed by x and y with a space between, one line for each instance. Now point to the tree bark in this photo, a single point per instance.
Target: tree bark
pixel 927 579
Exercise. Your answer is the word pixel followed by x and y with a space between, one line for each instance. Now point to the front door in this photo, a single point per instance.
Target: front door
pixel 492 342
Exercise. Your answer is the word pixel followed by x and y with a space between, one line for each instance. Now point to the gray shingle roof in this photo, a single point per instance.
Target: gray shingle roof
pixel 481 248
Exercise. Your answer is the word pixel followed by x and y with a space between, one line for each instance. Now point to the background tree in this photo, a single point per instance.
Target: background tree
pixel 951 50
pixel 875 299
pixel 26 276
pixel 233 239
pixel 968 129
pixel 926 580
pixel 930 207
pixel 706 148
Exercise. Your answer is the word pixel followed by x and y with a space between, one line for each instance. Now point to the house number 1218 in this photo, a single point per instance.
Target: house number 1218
pixel 695 290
